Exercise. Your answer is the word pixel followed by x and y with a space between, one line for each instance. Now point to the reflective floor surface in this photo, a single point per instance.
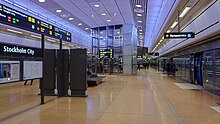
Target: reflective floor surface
pixel 148 98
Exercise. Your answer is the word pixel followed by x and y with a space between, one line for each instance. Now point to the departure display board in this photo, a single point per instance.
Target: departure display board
pixel 174 35
pixel 106 53
pixel 18 19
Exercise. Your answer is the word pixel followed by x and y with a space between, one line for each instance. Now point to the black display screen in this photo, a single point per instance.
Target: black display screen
pixel 18 19
pixel 106 53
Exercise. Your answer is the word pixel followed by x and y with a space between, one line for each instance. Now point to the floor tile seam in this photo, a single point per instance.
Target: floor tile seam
pixel 113 101
pixel 22 110
pixel 171 106
pixel 156 115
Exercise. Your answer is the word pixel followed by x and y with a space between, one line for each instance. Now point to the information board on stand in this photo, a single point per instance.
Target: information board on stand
pixel 18 19
pixel 32 70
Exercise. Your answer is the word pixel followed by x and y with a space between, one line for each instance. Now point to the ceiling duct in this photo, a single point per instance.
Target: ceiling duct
pixel 92 1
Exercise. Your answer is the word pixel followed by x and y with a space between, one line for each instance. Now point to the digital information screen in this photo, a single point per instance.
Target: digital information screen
pixel 18 19
pixel 107 53
pixel 174 35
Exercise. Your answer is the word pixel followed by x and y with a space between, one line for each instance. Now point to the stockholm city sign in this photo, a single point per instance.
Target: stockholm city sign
pixel 19 51
pixel 176 35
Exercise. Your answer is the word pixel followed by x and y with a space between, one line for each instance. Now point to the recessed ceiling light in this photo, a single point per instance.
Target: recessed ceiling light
pixel 140 33
pixel 96 5
pixel 139 14
pixel 41 1
pixel 80 24
pixel 138 5
pixel 140 30
pixel 86 28
pixel 140 21
pixel 58 11
pixel 118 32
pixel 109 20
pixel 70 18
pixel 103 14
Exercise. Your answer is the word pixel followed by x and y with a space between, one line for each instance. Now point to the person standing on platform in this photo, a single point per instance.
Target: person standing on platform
pixel 138 66
pixel 144 64
pixel 168 68
pixel 147 64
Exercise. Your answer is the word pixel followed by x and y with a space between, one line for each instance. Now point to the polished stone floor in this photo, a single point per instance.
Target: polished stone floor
pixel 148 98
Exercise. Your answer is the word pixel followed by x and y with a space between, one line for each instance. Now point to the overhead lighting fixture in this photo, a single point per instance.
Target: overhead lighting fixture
pixel 51 40
pixel 103 14
pixel 168 31
pixel 140 30
pixel 80 24
pixel 186 10
pixel 174 24
pixel 139 6
pixel 140 33
pixel 18 32
pixel 35 36
pixel 140 21
pixel 109 20
pixel 96 5
pixel 41 1
pixel 19 6
pixel 161 41
pixel 86 28
pixel 139 14
pixel 58 11
pixel 118 32
pixel 70 19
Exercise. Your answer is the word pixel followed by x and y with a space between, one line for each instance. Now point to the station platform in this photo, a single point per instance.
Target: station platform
pixel 151 97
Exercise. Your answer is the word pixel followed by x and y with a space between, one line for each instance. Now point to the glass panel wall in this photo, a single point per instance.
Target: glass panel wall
pixel 208 69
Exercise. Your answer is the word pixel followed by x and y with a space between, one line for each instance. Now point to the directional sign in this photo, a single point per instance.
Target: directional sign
pixel 18 19
pixel 175 35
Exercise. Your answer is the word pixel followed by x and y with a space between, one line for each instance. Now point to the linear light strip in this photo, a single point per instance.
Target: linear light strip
pixel 14 31
pixel 185 11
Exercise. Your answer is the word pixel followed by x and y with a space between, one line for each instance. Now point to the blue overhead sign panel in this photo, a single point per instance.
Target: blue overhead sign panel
pixel 20 20
pixel 176 35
